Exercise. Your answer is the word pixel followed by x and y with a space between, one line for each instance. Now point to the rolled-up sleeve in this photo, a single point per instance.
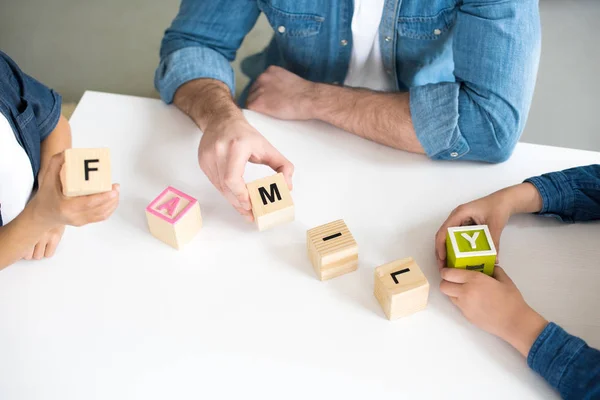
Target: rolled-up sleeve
pixel 567 363
pixel 480 116
pixel 202 41
pixel 572 195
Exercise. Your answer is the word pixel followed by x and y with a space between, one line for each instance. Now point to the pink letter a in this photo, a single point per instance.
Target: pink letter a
pixel 170 206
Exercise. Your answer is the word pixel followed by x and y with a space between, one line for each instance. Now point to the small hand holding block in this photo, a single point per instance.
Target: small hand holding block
pixel 401 288
pixel 472 248
pixel 271 201
pixel 174 217
pixel 332 250
pixel 86 171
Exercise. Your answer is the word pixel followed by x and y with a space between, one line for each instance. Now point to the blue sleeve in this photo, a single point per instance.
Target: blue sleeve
pixel 571 195
pixel 567 363
pixel 202 41
pixel 21 91
pixel 480 116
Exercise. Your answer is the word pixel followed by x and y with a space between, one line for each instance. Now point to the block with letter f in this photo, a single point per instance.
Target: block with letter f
pixel 86 171
pixel 271 201
pixel 471 248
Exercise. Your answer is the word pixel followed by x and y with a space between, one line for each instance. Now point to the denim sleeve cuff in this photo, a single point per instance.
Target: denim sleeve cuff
pixel 188 64
pixel 552 353
pixel 558 197
pixel 434 113
pixel 47 125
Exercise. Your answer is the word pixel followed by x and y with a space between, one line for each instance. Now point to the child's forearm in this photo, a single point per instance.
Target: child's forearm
pixel 20 235
pixel 523 198
pixel 58 141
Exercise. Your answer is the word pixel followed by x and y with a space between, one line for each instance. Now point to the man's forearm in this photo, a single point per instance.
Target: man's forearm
pixel 206 101
pixel 378 116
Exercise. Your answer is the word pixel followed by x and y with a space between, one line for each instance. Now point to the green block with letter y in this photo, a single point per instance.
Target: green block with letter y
pixel 472 248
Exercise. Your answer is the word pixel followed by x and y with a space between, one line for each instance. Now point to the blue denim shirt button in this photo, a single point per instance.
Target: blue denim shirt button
pixel 437 32
pixel 344 42
pixel 388 38
pixel 454 154
pixel 281 29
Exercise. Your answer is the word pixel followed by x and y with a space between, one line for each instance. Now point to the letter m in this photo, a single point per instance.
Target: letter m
pixel 264 195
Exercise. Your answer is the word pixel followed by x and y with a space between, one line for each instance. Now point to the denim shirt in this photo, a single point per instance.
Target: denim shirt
pixel 566 361
pixel 32 110
pixel 469 65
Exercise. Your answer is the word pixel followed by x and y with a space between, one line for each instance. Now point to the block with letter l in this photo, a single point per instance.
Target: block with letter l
pixel 401 288
pixel 271 200
pixel 86 171
pixel 471 248
pixel 174 217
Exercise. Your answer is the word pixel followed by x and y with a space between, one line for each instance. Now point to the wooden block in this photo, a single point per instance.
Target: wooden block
pixel 174 217
pixel 472 248
pixel 86 171
pixel 332 250
pixel 271 201
pixel 401 288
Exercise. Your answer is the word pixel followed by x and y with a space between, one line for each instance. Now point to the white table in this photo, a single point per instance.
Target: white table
pixel 239 313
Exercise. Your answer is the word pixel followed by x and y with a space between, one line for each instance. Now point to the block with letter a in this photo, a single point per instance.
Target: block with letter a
pixel 86 171
pixel 271 201
pixel 174 217
pixel 332 250
pixel 472 248
pixel 401 288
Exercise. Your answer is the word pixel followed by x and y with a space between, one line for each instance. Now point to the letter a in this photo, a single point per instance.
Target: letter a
pixel 170 205
pixel 471 239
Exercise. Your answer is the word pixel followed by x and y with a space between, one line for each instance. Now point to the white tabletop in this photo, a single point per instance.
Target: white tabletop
pixel 238 313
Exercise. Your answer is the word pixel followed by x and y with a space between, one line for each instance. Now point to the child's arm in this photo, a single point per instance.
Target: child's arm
pixel 56 142
pixel 48 209
pixel 496 305
pixel 571 195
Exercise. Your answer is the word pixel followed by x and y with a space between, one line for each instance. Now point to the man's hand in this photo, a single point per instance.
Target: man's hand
pixel 225 149
pixel 47 245
pixel 229 141
pixel 494 305
pixel 494 211
pixel 282 94
pixel 52 209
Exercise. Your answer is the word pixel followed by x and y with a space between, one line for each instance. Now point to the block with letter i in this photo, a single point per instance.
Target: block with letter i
pixel 471 248
pixel 332 250
pixel 174 217
pixel 86 171
pixel 271 201
pixel 401 288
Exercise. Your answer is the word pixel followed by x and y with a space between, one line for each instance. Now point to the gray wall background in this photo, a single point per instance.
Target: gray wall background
pixel 112 46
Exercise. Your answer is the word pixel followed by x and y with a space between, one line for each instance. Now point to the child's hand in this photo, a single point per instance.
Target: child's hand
pixel 47 245
pixel 493 211
pixel 494 305
pixel 54 209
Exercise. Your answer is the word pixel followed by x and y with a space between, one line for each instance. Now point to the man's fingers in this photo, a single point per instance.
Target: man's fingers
pixel 253 95
pixel 451 289
pixel 457 275
pixel 233 178
pixel 274 159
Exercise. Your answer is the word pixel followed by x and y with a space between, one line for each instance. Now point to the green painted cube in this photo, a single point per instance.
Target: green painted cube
pixel 472 248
